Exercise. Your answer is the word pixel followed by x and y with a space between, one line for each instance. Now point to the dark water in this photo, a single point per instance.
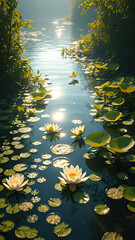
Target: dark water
pixel 68 102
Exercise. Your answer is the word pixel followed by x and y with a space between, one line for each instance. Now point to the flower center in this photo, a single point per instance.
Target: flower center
pixel 71 175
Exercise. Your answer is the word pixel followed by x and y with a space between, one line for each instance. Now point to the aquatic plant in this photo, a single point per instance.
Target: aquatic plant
pixel 72 176
pixel 15 182
pixel 52 128
pixel 98 139
pixel 78 131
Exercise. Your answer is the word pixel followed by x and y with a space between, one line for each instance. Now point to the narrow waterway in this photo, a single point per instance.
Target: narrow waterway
pixel 68 102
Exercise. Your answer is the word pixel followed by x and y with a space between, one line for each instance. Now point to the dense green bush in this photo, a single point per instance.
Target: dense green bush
pixel 12 66
pixel 113 32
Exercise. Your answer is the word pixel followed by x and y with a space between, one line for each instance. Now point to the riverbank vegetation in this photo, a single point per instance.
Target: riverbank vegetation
pixel 13 67
pixel 112 33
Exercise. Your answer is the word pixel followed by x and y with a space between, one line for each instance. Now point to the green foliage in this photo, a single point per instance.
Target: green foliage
pixel 11 24
pixel 113 33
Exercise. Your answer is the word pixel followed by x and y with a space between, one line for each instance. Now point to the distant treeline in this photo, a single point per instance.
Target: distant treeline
pixel 113 32
pixel 76 12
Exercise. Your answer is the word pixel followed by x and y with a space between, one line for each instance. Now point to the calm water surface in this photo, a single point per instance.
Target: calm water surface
pixel 69 102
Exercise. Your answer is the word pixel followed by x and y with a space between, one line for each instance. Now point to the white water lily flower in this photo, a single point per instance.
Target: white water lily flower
pixel 78 131
pixel 15 182
pixel 54 128
pixel 72 176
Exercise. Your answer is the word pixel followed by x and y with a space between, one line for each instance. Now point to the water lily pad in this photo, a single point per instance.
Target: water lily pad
pixel 61 149
pixel 128 122
pixel 95 177
pixel 46 156
pixel 32 175
pixel 77 121
pixel 26 232
pixel 127 88
pixel 43 208
pixel 60 162
pixel 26 206
pixel 112 116
pixel 59 187
pixel 24 130
pixel 15 157
pixel 33 150
pixel 19 146
pixel 37 143
pixel 131 206
pixel 54 202
pixel 121 144
pixel 112 236
pixel 53 218
pixel 33 119
pixel 130 157
pixel 118 101
pixel 132 169
pixel 81 197
pixel 2 237
pixel 114 193
pixel 115 83
pixel 25 155
pixel 9 172
pixel 3 160
pixel 122 176
pixel 98 139
pixel 13 208
pixel 62 229
pixel 3 203
pixel 129 193
pixel 6 226
pixel 25 136
pixel 20 167
pixel 102 209
pixel 1 187
pixel 89 155
pixel 8 152
pixel 26 190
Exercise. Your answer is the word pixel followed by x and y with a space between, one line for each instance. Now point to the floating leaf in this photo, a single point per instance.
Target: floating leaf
pixel 60 162
pixel 3 160
pixel 13 208
pixel 20 167
pixel 112 116
pixel 33 119
pixel 54 202
pixel 132 169
pixel 122 176
pixel 118 101
pixel 114 193
pixel 130 157
pixel 89 155
pixel 102 209
pixel 26 232
pixel 81 197
pixel 24 130
pixel 9 172
pixel 131 206
pixel 77 121
pixel 121 144
pixel 98 139
pixel 15 157
pixel 53 218
pixel 128 122
pixel 1 187
pixel 43 208
pixel 60 187
pixel 25 155
pixel 129 193
pixel 98 107
pixel 112 236
pixel 3 203
pixel 115 83
pixel 6 226
pixel 26 206
pixel 62 230
pixel 8 152
pixel 127 88
pixel 95 177
pixel 32 218
pixel 61 149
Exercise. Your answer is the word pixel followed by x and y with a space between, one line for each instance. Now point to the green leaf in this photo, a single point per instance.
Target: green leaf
pixel 13 208
pixel 121 144
pixel 102 209
pixel 6 226
pixel 43 208
pixel 127 88
pixel 118 101
pixel 26 232
pixel 3 203
pixel 112 236
pixel 112 116
pixel 98 139
pixel 115 83
pixel 81 197
pixel 129 193
pixel 62 230
pixel 95 177
pixel 131 206
pixel 114 193
pixel 54 202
